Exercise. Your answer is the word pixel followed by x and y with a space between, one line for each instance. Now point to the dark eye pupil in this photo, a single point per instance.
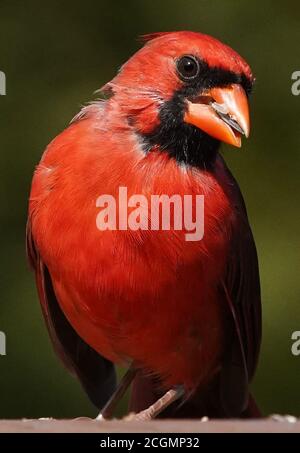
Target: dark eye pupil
pixel 187 67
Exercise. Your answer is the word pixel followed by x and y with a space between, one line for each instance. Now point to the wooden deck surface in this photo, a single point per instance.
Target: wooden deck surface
pixel 288 425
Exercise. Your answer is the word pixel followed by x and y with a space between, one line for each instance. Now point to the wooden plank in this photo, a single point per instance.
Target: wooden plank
pixel 84 425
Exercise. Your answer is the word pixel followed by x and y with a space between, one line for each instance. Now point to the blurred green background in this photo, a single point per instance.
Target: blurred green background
pixel 55 55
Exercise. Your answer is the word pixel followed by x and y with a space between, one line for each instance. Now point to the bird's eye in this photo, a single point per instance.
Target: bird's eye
pixel 187 67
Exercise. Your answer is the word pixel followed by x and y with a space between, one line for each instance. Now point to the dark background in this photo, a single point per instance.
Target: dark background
pixel 55 55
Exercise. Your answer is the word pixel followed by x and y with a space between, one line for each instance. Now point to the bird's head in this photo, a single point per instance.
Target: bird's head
pixel 184 93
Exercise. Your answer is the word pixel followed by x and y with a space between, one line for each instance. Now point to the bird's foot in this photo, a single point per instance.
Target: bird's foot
pixel 155 409
pixel 107 411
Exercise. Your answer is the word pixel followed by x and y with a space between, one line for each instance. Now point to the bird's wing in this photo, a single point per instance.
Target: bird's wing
pixel 228 395
pixel 96 374
pixel 241 288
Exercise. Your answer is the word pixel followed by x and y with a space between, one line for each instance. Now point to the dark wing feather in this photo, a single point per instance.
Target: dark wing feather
pixel 96 374
pixel 241 287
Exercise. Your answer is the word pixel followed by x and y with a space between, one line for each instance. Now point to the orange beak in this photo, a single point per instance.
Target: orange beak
pixel 222 113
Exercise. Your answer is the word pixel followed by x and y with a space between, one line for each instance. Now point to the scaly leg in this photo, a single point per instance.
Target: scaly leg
pixel 109 407
pixel 161 404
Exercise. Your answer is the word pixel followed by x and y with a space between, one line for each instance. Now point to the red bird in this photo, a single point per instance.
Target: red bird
pixel 184 315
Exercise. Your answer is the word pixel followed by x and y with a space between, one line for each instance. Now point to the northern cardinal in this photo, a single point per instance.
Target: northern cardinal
pixel 185 316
